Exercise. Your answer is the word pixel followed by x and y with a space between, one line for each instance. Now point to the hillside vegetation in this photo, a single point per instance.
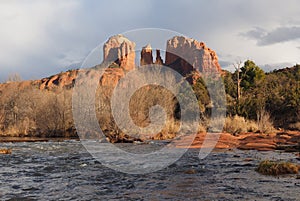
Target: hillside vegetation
pixel 273 96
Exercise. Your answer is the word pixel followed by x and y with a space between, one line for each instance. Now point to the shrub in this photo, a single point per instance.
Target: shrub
pixel 264 122
pixel 201 128
pixel 252 126
pixel 238 124
pixel 235 125
pixel 267 167
pixel 215 125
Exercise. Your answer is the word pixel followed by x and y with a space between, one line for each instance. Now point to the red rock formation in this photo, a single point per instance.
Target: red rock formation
pixel 58 81
pixel 186 55
pixel 247 141
pixel 158 59
pixel 146 55
pixel 120 50
pixel 111 76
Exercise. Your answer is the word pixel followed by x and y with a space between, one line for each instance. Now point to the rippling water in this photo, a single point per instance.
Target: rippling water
pixel 66 171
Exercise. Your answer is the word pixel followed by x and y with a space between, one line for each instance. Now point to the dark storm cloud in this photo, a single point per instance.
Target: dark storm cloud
pixel 225 63
pixel 257 33
pixel 279 35
pixel 39 38
pixel 271 67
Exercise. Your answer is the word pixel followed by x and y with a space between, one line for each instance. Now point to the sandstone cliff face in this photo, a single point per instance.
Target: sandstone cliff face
pixel 146 55
pixel 119 55
pixel 183 54
pixel 111 76
pixel 158 59
pixel 120 50
pixel 186 55
pixel 62 80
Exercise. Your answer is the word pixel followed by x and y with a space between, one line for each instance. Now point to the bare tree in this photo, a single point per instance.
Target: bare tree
pixel 15 77
pixel 237 67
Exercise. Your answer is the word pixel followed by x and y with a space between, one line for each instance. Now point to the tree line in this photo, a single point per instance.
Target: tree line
pixel 252 93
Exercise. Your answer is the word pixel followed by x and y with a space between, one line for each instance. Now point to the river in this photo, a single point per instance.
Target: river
pixel 66 171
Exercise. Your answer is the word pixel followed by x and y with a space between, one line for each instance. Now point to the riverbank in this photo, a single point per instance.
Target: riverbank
pixel 32 139
pixel 287 140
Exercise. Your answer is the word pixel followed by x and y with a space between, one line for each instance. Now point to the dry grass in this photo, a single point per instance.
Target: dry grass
pixel 264 122
pixel 2 116
pixel 202 128
pixel 169 131
pixel 13 131
pixel 151 108
pixel 216 125
pixel 237 124
pixel 267 167
pixel 252 126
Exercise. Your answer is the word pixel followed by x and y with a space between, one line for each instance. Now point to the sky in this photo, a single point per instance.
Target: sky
pixel 41 38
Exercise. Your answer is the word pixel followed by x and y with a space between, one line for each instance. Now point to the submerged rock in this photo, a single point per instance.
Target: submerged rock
pixel 5 151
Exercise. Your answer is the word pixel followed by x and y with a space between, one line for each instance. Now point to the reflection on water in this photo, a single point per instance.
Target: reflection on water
pixel 66 171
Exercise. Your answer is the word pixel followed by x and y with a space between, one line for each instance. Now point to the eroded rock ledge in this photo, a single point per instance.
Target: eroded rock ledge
pixel 286 141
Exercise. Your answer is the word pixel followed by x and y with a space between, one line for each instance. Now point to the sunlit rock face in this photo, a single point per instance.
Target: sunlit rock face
pixel 120 50
pixel 186 55
pixel 146 55
pixel 158 59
